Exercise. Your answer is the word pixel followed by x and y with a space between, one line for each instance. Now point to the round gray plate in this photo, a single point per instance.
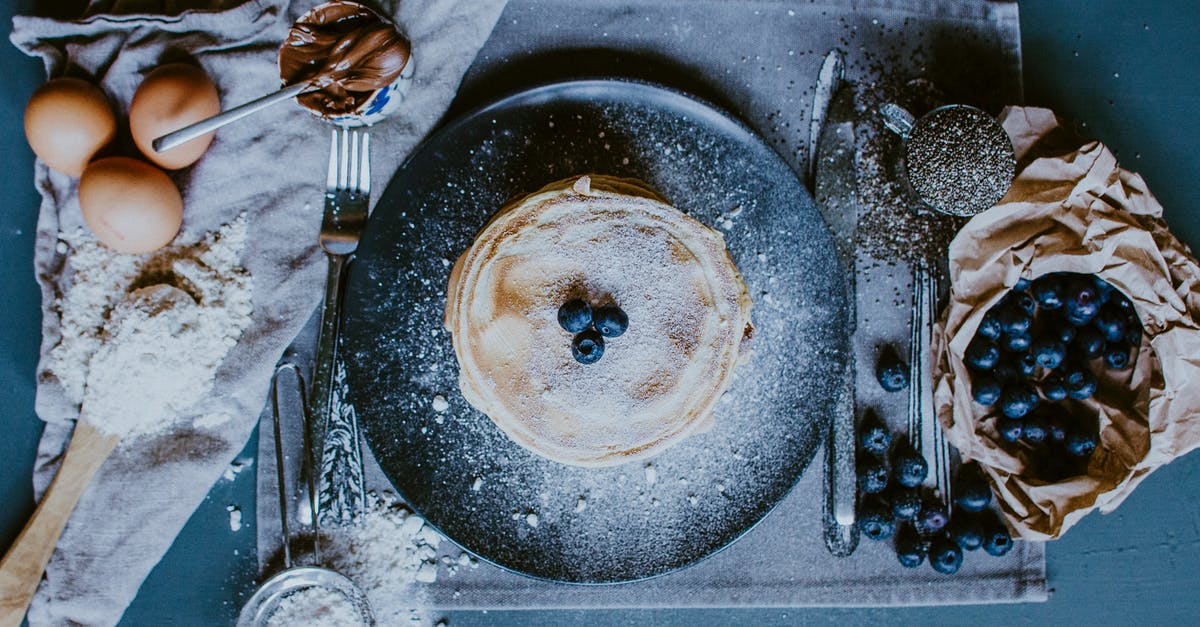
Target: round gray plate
pixel 539 517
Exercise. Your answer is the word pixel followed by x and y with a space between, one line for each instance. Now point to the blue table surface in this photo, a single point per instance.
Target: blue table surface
pixel 1126 70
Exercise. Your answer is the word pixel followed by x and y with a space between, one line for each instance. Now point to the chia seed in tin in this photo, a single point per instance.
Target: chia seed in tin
pixel 959 160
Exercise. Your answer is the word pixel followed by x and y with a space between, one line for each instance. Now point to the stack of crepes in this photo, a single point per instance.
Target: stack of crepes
pixel 1073 209
pixel 597 238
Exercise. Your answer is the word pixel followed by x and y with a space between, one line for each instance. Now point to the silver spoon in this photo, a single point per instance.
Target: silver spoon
pixel 203 127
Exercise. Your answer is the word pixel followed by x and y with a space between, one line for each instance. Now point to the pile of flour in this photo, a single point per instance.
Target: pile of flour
pixel 142 336
pixel 315 606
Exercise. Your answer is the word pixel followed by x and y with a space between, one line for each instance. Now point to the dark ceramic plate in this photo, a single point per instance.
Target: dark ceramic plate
pixel 539 517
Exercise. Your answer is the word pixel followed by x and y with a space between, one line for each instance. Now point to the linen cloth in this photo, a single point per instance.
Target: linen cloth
pixel 759 59
pixel 270 167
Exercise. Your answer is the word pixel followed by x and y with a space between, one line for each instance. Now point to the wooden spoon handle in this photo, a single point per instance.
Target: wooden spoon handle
pixel 22 567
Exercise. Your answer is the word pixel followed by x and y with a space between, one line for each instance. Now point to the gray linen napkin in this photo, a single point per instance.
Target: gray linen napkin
pixel 270 167
pixel 759 58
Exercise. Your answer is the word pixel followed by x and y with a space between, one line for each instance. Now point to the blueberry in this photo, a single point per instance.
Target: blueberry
pixel 1053 388
pixel 1026 364
pixel 1081 384
pixel 933 517
pixel 1035 429
pixel 910 547
pixel 996 539
pixel 875 519
pixel 1116 355
pixel 1022 285
pixel 1018 399
pixel 972 493
pixel 909 466
pixel 872 474
pixel 1111 322
pixel 966 530
pixel 1104 290
pixel 985 390
pixel 1133 334
pixel 945 556
pixel 982 354
pixel 989 326
pixel 1018 342
pixel 1013 319
pixel 1082 302
pixel 1065 333
pixel 588 347
pixel 610 321
pixel 1047 291
pixel 1010 429
pixel 1056 428
pixel 575 316
pixel 1048 351
pixel 1089 343
pixel 873 435
pixel 1081 443
pixel 906 503
pixel 891 371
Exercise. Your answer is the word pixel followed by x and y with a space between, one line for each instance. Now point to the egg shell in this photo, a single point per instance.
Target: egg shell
pixel 171 97
pixel 130 205
pixel 67 121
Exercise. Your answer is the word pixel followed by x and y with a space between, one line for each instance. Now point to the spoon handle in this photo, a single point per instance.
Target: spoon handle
pixel 203 127
pixel 21 569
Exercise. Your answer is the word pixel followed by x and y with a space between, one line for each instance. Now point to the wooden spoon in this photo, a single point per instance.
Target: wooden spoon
pixel 22 567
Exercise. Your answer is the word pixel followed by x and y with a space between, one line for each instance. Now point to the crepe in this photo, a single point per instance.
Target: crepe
pixel 604 240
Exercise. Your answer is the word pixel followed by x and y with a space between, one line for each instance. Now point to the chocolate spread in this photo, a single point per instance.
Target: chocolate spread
pixel 347 51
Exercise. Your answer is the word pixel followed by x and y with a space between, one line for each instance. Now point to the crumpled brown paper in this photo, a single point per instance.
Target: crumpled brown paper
pixel 1072 209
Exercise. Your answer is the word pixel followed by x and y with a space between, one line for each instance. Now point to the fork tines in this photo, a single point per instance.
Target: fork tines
pixel 349 162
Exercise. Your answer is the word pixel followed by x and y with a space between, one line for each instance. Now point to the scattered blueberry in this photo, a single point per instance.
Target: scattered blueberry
pixel 588 347
pixel 906 503
pixel 909 466
pixel 1111 321
pixel 1081 384
pixel 1082 302
pixel 1089 341
pixel 1022 285
pixel 1047 291
pixel 910 547
pixel 1056 428
pixel 875 519
pixel 1049 352
pixel 989 327
pixel 575 316
pixel 966 530
pixel 972 493
pixel 1026 364
pixel 1116 355
pixel 1013 319
pixel 986 390
pixel 872 474
pixel 1018 399
pixel 1053 388
pixel 996 539
pixel 873 435
pixel 982 354
pixel 1035 429
pixel 1104 290
pixel 1024 302
pixel 891 371
pixel 610 321
pixel 933 517
pixel 945 556
pixel 1081 443
pixel 1010 429
pixel 1066 333
pixel 1018 342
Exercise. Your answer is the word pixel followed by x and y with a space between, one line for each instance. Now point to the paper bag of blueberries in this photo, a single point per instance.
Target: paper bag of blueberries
pixel 1067 362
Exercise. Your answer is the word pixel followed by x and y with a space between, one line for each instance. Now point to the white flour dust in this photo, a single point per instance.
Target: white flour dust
pixel 142 336
pixel 315 606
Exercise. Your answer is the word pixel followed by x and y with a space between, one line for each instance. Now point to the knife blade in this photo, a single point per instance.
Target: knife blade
pixel 835 190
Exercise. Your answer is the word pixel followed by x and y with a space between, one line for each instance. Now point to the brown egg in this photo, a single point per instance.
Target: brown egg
pixel 67 121
pixel 171 97
pixel 130 205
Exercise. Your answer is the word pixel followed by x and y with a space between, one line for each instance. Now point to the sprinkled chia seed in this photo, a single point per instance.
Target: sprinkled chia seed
pixel 959 160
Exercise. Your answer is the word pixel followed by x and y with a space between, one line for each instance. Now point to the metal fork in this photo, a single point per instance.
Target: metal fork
pixel 347 195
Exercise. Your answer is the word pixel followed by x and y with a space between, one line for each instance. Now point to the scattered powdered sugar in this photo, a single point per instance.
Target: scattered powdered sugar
pixel 315 606
pixel 142 336
pixel 390 554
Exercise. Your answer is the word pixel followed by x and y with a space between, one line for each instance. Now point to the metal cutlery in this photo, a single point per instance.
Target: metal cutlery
pixel 341 495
